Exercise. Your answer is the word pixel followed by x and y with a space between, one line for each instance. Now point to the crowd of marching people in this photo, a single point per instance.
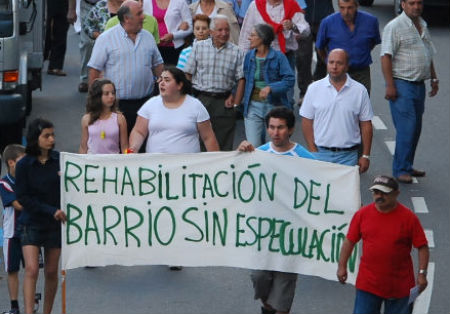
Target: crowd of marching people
pixel 172 76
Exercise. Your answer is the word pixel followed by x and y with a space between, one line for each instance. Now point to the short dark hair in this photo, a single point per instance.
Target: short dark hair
pixel 11 152
pixel 123 11
pixel 281 113
pixel 34 131
pixel 265 32
pixel 179 77
pixel 356 2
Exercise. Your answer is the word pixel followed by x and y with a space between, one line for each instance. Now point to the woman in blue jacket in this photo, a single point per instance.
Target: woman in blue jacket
pixel 268 77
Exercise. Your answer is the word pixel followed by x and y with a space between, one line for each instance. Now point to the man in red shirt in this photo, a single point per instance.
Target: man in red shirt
pixel 386 273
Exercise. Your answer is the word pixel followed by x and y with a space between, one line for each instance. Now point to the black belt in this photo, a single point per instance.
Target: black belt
pixel 338 149
pixel 412 82
pixel 197 92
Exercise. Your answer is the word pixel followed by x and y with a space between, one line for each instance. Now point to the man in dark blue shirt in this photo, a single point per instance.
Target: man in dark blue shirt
pixel 354 31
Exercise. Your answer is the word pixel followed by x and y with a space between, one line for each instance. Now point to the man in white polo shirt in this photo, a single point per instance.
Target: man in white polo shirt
pixel 336 116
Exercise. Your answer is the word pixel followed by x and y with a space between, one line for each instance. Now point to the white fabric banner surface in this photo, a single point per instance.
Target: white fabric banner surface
pixel 250 210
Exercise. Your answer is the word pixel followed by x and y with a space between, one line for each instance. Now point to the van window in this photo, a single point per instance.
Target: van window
pixel 6 19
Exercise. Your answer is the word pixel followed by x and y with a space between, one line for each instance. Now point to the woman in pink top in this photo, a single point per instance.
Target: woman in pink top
pixel 103 127
pixel 174 24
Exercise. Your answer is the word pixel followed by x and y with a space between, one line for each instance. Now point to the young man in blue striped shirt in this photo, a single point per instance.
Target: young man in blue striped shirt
pixel 277 289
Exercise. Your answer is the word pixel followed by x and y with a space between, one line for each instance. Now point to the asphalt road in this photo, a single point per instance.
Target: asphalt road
pixel 155 289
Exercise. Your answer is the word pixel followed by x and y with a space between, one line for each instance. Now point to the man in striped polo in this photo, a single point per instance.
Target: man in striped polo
pixel 128 56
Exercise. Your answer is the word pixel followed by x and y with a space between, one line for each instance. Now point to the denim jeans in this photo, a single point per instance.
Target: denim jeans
pixel 368 303
pixel 406 111
pixel 255 126
pixel 349 158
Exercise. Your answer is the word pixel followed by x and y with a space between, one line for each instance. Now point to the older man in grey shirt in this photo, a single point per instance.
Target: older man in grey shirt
pixel 406 61
pixel 215 66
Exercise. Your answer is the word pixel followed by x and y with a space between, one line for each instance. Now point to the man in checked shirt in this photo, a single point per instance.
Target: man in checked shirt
pixel 215 68
pixel 406 61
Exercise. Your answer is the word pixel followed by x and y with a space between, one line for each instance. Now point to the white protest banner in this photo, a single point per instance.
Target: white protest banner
pixel 251 210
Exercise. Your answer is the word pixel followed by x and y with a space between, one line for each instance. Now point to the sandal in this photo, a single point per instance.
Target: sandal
pixel 57 72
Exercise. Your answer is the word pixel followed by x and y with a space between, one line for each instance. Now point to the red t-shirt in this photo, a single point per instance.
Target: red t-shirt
pixel 386 268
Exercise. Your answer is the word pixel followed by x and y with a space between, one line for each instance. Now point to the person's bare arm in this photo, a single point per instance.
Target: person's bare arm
pixel 434 84
pixel 308 134
pixel 138 134
pixel 184 26
pixel 157 70
pixel 60 215
pixel 424 256
pixel 84 135
pixel 17 205
pixel 93 75
pixel 123 133
pixel 366 141
pixel 322 54
pixel 246 146
pixel 71 12
pixel 239 92
pixel 386 67
pixel 346 251
pixel 207 135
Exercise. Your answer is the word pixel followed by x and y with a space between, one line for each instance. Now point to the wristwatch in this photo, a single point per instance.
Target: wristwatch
pixel 366 156
pixel 435 80
pixel 423 272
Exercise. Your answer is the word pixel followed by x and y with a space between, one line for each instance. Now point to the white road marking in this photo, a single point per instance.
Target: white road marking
pixel 430 237
pixel 378 123
pixel 419 204
pixel 422 304
pixel 391 146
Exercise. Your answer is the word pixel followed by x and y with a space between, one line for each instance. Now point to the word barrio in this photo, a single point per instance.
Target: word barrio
pixel 251 210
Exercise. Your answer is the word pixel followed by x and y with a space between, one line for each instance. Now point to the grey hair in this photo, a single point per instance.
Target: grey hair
pixel 217 18
pixel 266 33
